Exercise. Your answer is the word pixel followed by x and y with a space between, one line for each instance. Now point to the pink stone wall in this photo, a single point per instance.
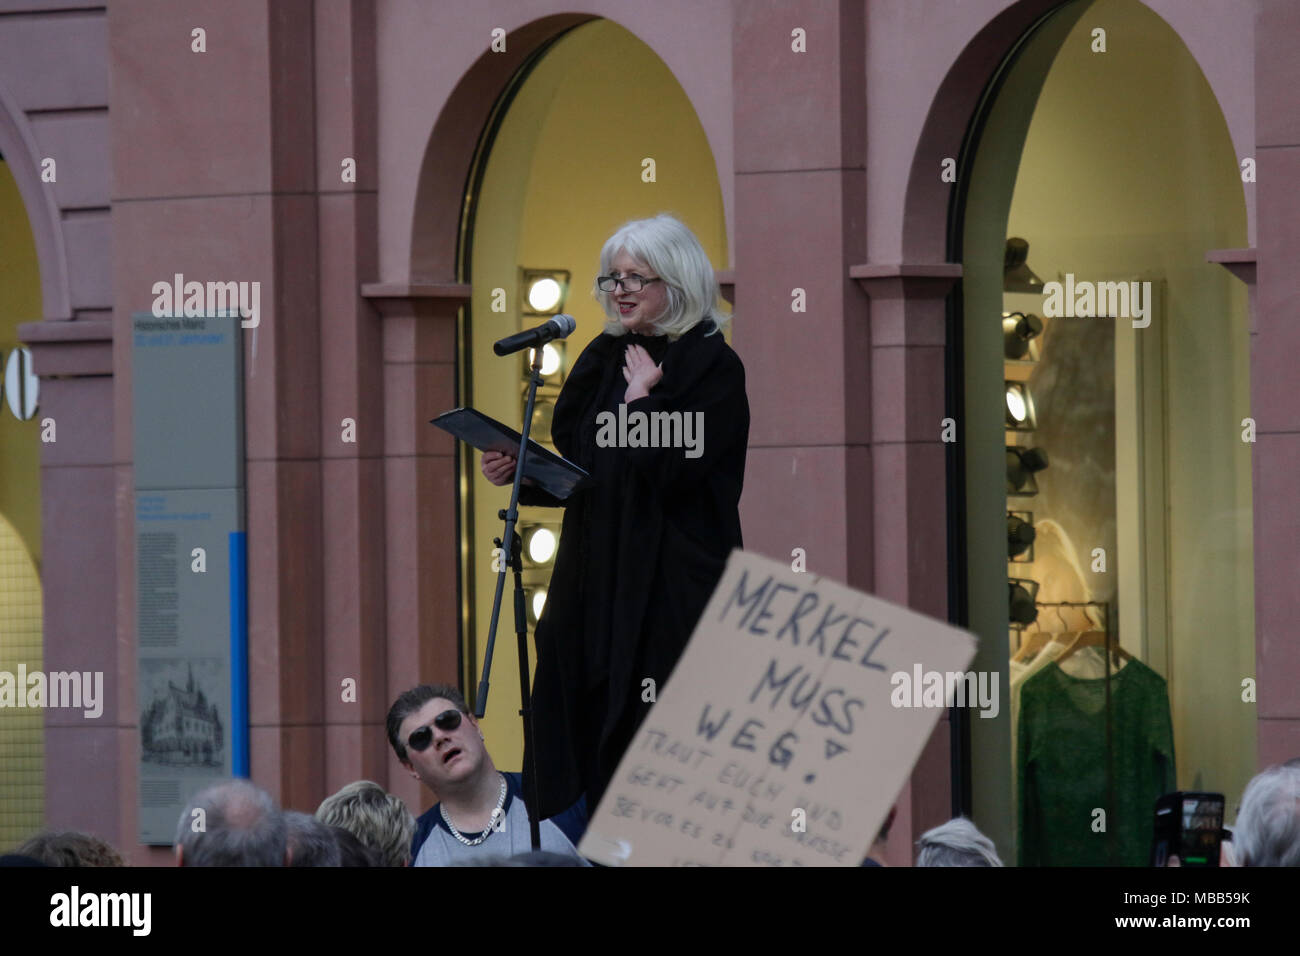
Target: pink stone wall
pixel 62 114
pixel 226 165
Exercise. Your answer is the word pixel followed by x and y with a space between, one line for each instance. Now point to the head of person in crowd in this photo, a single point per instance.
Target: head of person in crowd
pixel 374 816
pixel 310 842
pixel 481 812
pixel 667 281
pixel 352 852
pixel 956 843
pixel 70 848
pixel 437 739
pixel 233 823
pixel 1267 832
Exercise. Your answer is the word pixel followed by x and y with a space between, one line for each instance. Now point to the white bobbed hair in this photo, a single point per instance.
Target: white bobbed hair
pixel 667 246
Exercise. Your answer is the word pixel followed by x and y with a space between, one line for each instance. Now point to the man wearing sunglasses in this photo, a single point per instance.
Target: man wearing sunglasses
pixel 482 812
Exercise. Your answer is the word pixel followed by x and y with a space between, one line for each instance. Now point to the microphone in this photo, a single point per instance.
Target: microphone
pixel 557 327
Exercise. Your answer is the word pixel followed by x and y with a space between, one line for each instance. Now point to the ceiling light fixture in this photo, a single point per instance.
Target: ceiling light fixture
pixel 543 291
pixel 1016 274
pixel 1018 329
pixel 1020 407
pixel 1022 464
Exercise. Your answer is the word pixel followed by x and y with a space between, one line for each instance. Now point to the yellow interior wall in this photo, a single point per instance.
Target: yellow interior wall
pixel 22 751
pixel 20 301
pixel 564 172
pixel 1128 169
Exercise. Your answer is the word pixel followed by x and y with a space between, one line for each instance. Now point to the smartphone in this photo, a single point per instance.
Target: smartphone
pixel 1189 825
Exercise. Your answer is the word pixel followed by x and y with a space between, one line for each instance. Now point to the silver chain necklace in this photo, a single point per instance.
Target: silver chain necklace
pixel 501 802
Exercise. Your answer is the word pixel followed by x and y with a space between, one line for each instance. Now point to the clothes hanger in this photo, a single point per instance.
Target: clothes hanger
pixel 1094 638
pixel 1030 648
pixel 1071 638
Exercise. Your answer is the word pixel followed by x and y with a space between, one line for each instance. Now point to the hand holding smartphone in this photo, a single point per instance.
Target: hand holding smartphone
pixel 1189 826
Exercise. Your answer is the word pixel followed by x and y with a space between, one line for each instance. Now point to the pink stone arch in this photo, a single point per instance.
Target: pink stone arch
pixel 450 150
pixel 925 218
pixel 453 142
pixel 19 149
pixel 1219 44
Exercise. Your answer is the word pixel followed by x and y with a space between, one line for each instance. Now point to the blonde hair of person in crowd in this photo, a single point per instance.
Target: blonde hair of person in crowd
pixel 374 816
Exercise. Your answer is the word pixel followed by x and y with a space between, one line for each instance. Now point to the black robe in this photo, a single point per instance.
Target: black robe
pixel 641 549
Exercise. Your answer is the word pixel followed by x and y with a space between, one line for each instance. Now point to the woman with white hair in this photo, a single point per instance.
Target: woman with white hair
pixel 644 541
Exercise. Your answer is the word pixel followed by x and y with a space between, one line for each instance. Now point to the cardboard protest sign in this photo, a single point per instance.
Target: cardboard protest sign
pixel 786 730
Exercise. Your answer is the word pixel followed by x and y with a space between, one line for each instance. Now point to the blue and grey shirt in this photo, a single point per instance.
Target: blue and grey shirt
pixel 434 844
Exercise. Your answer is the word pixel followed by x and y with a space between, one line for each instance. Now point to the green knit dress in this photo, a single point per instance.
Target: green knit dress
pixel 1063 777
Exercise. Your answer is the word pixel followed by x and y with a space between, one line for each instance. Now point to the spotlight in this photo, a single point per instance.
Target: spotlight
pixel 539 544
pixel 1022 601
pixel 544 294
pixel 1017 330
pixel 1020 407
pixel 1022 463
pixel 536 603
pixel 544 291
pixel 1020 536
pixel 551 360
pixel 1016 274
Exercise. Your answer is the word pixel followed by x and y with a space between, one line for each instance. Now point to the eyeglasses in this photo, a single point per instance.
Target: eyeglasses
pixel 630 283
pixel 420 739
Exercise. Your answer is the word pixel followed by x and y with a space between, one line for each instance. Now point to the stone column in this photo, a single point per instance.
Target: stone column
pixel 802 322
pixel 352 399
pixel 86 760
pixel 1275 403
pixel 910 484
pixel 419 482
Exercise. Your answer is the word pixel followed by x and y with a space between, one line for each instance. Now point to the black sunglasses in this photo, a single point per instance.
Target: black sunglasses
pixel 420 739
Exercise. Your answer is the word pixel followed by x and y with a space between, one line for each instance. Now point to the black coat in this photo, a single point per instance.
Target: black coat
pixel 641 550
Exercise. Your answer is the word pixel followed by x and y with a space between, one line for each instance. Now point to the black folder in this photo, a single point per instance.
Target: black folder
pixel 549 471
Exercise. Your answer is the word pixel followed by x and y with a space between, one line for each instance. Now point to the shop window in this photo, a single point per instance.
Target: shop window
pixel 1111 362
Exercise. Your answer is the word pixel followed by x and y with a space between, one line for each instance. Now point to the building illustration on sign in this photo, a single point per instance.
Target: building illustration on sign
pixel 181 726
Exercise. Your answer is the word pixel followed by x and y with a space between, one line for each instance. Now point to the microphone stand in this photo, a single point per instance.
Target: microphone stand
pixel 515 550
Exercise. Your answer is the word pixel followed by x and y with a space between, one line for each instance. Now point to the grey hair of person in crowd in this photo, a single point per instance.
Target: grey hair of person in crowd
pixel 311 843
pixel 240 826
pixel 956 843
pixel 667 246
pixel 374 816
pixel 1267 832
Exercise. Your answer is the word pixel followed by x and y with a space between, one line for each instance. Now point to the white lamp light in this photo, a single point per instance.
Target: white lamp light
pixel 550 359
pixel 1016 404
pixel 543 291
pixel 541 545
pixel 544 294
pixel 1020 407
